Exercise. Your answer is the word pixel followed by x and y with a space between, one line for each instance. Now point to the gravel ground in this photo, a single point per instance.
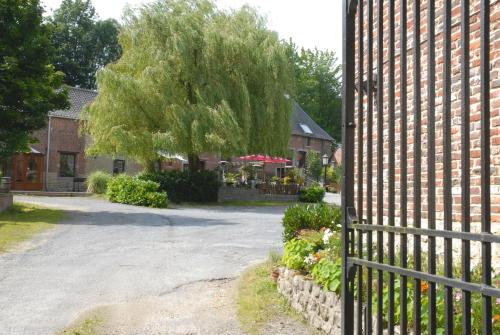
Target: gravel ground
pixel 114 255
pixel 205 307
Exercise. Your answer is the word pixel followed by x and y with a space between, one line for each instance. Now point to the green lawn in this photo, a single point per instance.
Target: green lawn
pixel 22 221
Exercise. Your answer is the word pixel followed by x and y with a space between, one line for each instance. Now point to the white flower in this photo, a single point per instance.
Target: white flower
pixel 326 236
pixel 310 259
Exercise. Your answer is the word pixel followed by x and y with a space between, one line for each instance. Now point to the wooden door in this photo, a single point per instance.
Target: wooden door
pixel 27 172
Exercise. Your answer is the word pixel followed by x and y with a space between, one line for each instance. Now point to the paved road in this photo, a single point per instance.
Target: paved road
pixel 109 253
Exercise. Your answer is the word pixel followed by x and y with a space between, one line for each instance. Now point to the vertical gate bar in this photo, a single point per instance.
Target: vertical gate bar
pixel 485 161
pixel 392 163
pixel 403 165
pixel 380 161
pixel 465 162
pixel 347 197
pixel 447 196
pixel 431 160
pixel 360 165
pixel 417 161
pixel 369 168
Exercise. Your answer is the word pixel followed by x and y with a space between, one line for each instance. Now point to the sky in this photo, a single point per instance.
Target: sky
pixel 310 23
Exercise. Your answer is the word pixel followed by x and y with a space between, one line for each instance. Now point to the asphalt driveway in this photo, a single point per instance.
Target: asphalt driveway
pixel 109 253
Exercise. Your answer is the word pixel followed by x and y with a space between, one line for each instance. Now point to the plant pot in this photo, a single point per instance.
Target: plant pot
pixel 275 274
pixel 5 185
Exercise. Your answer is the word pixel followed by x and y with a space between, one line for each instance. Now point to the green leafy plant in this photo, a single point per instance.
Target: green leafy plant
pixel 313 217
pixel 328 274
pixel 294 253
pixel 129 190
pixel 98 182
pixel 186 186
pixel 313 163
pixel 314 193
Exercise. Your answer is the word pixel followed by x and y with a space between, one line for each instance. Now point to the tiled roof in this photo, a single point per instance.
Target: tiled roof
pixel 78 97
pixel 303 125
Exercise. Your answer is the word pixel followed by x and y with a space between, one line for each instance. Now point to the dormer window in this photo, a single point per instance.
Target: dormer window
pixel 305 128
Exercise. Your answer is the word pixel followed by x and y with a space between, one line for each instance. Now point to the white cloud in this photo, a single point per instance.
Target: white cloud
pixel 311 23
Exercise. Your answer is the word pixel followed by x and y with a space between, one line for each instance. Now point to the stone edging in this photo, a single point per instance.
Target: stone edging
pixel 321 309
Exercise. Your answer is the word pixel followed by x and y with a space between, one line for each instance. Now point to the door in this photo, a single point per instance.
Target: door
pixel 27 172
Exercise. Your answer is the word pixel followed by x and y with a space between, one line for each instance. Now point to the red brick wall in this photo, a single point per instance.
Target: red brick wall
pixel 455 105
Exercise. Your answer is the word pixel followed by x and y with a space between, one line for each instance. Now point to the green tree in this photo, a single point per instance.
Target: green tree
pixel 28 83
pixel 83 43
pixel 318 86
pixel 313 165
pixel 193 79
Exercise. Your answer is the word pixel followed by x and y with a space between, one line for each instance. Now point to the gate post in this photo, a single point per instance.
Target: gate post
pixel 348 83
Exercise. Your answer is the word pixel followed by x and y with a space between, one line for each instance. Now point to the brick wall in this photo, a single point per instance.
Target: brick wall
pixel 438 108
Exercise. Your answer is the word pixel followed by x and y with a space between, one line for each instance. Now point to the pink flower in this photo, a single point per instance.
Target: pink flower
pixel 458 296
pixel 498 301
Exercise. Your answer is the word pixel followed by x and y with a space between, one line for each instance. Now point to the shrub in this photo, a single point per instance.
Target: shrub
pixel 313 217
pixel 186 186
pixel 98 182
pixel 313 193
pixel 129 190
pixel 314 166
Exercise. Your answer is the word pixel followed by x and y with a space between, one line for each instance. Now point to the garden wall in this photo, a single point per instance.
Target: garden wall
pixel 321 309
pixel 252 194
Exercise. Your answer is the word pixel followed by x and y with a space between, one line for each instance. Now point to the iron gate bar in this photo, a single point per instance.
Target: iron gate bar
pixel 417 162
pixel 448 215
pixel 431 162
pixel 465 162
pixel 369 172
pixel 380 160
pixel 457 283
pixel 359 310
pixel 347 196
pixel 485 160
pixel 392 163
pixel 404 167
pixel 466 236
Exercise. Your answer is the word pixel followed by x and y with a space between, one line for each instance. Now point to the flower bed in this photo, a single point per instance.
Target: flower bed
pixel 315 254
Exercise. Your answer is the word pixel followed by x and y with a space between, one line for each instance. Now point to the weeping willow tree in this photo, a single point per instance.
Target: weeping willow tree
pixel 192 79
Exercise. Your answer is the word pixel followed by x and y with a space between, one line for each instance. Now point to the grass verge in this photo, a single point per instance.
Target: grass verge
pixel 258 300
pixel 22 221
pixel 88 326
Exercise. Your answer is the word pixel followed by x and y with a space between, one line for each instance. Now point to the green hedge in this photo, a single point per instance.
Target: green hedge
pixel 313 217
pixel 98 182
pixel 130 190
pixel 314 193
pixel 187 186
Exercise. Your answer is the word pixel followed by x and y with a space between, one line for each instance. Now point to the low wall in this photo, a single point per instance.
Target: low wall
pixel 252 194
pixel 321 309
pixel 6 200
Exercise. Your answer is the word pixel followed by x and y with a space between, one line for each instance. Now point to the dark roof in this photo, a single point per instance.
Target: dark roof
pixel 78 97
pixel 300 119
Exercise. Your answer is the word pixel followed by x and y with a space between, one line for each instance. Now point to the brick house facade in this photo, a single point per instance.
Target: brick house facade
pixel 57 162
pixel 475 109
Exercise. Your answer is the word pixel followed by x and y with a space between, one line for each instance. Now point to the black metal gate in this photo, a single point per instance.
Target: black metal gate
pixel 385 286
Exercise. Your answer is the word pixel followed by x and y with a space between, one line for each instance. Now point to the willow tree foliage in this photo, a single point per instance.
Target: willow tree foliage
pixel 193 79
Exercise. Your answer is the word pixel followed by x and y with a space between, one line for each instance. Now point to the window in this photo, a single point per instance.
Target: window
pixel 118 166
pixel 308 141
pixel 67 165
pixel 305 128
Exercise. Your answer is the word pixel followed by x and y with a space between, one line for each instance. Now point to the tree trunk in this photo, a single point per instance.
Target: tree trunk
pixel 149 166
pixel 194 163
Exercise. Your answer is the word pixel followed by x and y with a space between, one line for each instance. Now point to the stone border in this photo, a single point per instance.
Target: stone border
pixel 6 200
pixel 321 309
